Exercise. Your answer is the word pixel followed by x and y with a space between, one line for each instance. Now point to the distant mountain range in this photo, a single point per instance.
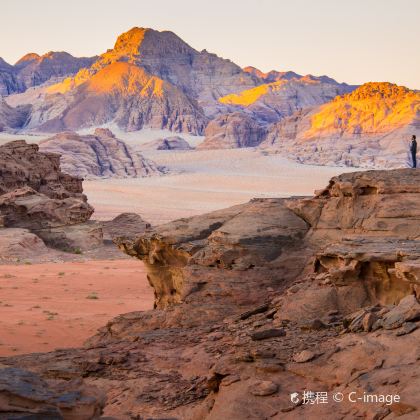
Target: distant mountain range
pixel 154 79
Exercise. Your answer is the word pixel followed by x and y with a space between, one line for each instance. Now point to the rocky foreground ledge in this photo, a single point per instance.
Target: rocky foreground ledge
pixel 253 303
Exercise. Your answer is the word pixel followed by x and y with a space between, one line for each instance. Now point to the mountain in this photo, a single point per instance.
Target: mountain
pixel 8 80
pixel 369 127
pixel 273 101
pixel 98 155
pixel 121 92
pixel 201 76
pixel 33 70
pixel 273 75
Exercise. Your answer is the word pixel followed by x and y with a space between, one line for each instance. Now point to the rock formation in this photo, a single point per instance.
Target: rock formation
pixel 11 118
pixel 264 299
pixel 229 131
pixel 149 79
pixel 370 127
pixel 36 195
pixel 19 243
pixel 127 225
pixel 25 395
pixel 122 93
pixel 98 155
pixel 168 143
pixel 271 102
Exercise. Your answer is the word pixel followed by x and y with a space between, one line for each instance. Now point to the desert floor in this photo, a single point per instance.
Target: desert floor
pixel 49 306
pixel 203 181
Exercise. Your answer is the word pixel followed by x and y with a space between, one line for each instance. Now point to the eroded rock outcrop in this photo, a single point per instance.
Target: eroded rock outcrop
pixel 230 131
pixel 99 155
pixel 185 256
pixel 264 299
pixel 36 195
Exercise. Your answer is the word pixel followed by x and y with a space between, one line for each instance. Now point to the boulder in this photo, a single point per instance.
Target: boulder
pixel 73 238
pixel 168 143
pixel 127 225
pixel 19 243
pixel 28 209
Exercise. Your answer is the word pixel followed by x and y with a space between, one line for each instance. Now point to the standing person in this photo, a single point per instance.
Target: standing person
pixel 413 150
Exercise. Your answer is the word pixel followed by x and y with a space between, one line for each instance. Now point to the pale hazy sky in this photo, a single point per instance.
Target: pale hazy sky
pixel 351 40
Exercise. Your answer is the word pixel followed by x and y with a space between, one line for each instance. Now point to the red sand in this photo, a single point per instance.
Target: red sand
pixel 46 306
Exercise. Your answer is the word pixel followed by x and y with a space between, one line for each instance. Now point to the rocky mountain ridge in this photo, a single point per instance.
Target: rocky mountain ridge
pixel 260 300
pixel 371 127
pixel 33 70
pixel 153 79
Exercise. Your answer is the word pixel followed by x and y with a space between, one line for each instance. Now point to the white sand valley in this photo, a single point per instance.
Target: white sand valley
pixel 203 181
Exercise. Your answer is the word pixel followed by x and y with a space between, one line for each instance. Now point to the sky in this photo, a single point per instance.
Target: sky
pixel 353 41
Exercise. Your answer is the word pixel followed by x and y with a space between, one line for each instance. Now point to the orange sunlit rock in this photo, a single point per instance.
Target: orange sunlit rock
pixel 372 108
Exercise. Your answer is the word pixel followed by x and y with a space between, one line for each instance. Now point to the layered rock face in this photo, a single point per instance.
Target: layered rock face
pixel 35 195
pixel 264 299
pixel 370 127
pixel 99 155
pixel 229 131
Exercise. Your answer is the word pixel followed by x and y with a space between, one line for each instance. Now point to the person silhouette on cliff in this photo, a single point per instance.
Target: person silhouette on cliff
pixel 413 150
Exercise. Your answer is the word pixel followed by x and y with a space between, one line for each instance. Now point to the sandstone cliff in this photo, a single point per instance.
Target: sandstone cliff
pixel 98 155
pixel 35 195
pixel 370 127
pixel 263 299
